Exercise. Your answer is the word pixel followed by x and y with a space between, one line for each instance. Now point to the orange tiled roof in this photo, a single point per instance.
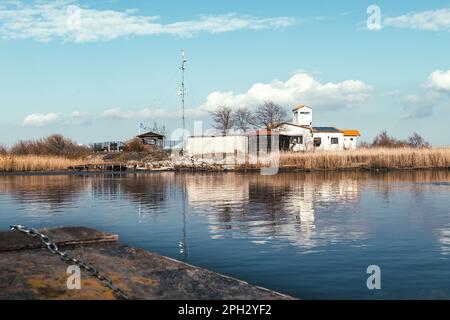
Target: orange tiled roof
pixel 351 133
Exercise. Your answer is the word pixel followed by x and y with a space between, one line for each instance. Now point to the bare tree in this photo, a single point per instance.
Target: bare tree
pixel 383 139
pixel 242 119
pixel 417 141
pixel 223 119
pixel 269 115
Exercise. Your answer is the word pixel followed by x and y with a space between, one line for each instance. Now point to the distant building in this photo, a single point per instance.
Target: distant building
pixel 152 141
pixel 109 146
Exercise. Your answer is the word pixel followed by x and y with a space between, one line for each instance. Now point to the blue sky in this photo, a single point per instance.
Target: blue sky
pixel 92 69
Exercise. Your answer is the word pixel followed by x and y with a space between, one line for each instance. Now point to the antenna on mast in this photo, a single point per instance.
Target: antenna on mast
pixel 183 92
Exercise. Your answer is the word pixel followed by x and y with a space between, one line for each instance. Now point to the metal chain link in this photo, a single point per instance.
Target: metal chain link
pixel 53 248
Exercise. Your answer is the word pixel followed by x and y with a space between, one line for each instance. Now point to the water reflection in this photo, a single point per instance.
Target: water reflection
pixel 288 206
pixel 283 206
pixel 276 231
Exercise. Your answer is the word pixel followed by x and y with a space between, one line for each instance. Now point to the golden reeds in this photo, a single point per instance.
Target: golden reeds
pixel 377 158
pixel 27 163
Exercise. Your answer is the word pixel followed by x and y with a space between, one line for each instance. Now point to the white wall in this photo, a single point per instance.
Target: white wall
pixel 326 141
pixel 197 146
pixel 350 143
pixel 303 116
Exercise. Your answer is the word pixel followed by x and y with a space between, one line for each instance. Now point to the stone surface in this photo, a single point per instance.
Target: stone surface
pixel 31 272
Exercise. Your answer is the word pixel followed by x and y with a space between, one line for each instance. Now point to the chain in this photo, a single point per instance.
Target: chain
pixel 53 248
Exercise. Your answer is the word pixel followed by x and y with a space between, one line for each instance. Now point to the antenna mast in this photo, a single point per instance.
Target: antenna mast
pixel 182 92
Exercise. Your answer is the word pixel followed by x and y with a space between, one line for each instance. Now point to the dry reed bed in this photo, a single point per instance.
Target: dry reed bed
pixel 27 163
pixel 380 158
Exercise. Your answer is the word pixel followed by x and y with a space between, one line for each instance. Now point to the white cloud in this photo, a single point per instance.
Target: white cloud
pixel 48 21
pixel 434 20
pixel 300 88
pixel 40 119
pixel 46 119
pixel 439 80
pixel 436 95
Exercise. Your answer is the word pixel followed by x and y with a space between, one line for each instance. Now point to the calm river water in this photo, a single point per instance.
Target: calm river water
pixel 310 235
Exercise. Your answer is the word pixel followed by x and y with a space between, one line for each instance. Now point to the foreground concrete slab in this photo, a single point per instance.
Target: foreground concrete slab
pixel 30 271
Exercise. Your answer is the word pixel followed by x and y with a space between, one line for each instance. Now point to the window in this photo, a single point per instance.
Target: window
pixel 351 139
pixel 317 142
pixel 334 140
pixel 304 112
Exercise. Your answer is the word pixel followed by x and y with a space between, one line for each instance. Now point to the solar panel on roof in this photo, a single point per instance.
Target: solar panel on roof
pixel 327 129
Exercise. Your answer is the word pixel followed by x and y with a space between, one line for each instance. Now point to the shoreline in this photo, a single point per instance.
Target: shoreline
pixel 379 159
pixel 225 170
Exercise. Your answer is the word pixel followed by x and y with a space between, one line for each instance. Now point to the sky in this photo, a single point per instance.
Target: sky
pixel 92 70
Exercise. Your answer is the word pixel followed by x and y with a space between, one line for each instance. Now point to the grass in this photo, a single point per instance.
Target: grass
pixel 28 163
pixel 368 159
pixel 372 158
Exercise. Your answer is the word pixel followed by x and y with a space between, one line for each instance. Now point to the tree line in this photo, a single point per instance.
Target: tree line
pixel 384 140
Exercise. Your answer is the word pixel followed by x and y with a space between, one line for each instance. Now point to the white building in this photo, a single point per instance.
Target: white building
pixel 303 136
pixel 296 136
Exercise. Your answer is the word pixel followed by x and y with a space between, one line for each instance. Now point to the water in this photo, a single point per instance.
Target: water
pixel 310 235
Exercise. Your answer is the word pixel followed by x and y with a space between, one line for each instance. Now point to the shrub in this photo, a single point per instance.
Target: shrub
pixel 134 145
pixel 54 145
pixel 384 140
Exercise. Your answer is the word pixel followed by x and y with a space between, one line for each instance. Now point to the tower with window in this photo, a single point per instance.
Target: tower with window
pixel 302 116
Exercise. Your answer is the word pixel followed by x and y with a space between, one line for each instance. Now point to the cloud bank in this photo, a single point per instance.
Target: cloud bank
pixel 64 20
pixel 299 88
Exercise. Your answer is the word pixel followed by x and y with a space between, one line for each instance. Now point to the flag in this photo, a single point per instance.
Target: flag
pixel 142 126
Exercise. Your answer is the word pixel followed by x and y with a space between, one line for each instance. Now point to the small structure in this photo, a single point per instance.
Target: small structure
pixel 152 141
pixel 350 138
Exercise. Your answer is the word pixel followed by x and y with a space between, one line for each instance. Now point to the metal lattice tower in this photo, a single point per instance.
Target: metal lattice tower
pixel 182 91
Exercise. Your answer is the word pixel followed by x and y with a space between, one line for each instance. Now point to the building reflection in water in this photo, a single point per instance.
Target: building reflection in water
pixel 282 206
pixel 305 209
